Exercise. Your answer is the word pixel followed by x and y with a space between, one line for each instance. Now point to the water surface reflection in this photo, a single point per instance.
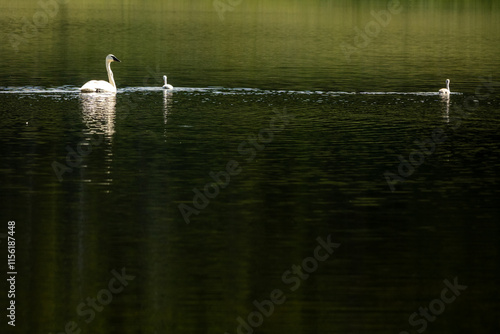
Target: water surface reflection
pixel 99 111
pixel 98 115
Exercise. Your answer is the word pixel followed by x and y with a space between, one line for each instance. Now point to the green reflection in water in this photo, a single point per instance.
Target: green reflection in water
pixel 258 44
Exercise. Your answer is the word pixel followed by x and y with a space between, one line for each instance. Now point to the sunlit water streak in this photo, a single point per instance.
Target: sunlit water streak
pixel 215 90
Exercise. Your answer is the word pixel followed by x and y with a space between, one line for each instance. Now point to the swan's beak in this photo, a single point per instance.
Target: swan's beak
pixel 116 59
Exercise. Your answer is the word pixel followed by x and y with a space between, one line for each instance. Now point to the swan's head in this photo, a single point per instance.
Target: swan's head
pixel 110 58
pixel 447 81
pixel 164 78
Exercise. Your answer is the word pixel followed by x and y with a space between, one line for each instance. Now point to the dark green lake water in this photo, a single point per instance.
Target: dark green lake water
pixel 304 158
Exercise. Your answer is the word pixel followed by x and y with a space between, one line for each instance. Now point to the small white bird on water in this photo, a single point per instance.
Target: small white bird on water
pixel 166 85
pixel 445 91
pixel 101 86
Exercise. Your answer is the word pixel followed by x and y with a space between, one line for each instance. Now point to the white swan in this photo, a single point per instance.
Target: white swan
pixel 166 85
pixel 97 86
pixel 445 91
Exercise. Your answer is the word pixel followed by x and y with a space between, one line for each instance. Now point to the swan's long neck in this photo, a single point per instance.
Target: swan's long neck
pixel 165 79
pixel 110 74
pixel 448 85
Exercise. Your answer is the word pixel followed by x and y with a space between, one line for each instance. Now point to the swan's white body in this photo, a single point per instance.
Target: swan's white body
pixel 166 85
pixel 445 91
pixel 98 86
